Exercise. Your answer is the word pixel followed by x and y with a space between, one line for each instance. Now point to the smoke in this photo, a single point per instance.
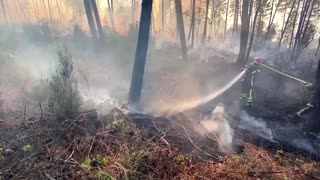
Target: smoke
pixel 217 125
pixel 256 126
pixel 193 103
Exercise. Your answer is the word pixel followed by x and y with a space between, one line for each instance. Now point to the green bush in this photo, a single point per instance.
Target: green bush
pixel 64 99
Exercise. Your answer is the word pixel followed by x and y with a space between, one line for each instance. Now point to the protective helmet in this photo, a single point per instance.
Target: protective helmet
pixel 258 60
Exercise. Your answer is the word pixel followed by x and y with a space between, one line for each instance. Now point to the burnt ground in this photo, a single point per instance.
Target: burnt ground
pixel 275 98
pixel 145 146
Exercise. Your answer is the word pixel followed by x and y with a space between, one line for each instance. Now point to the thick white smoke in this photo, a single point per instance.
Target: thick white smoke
pixel 218 125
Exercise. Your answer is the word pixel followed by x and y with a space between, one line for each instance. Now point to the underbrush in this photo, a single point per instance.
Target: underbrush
pixel 64 99
pixel 118 149
pixel 77 149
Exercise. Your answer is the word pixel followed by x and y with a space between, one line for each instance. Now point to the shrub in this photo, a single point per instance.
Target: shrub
pixel 64 99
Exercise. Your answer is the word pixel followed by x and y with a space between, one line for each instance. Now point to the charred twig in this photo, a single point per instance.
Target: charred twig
pixel 191 141
pixel 24 113
pixel 162 138
pixel 41 113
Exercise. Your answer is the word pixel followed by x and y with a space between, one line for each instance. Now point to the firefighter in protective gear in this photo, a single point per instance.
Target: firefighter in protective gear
pixel 248 82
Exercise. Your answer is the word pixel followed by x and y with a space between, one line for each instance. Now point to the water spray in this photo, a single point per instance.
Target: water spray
pixel 184 106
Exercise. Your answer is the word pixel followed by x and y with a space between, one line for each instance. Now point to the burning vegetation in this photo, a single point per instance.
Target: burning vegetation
pixel 204 89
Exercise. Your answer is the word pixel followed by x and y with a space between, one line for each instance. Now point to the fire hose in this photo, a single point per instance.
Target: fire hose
pixel 287 75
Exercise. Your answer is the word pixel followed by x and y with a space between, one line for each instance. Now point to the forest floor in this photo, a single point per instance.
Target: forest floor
pixel 120 148
pixel 144 146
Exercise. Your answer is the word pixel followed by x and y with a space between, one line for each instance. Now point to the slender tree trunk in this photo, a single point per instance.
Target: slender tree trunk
pixel 17 11
pixel 226 21
pixel 205 24
pixel 293 27
pixel 318 48
pixel 270 16
pixel 181 28
pixel 59 9
pixel 237 15
pixel 26 17
pixel 286 24
pixel 193 22
pixel 302 29
pixel 97 16
pixel 272 19
pixel 244 32
pixel 141 54
pixel 253 31
pixel 212 17
pixel 162 15
pixel 90 19
pixel 199 20
pixel 190 28
pixel 133 5
pixel 110 7
pixel 35 9
pixel 4 11
pixel 44 10
pixel 50 10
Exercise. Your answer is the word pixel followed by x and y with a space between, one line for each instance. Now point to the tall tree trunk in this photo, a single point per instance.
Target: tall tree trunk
pixel 97 16
pixel 286 24
pixel 237 15
pixel 205 23
pixel 35 9
pixel 110 7
pixel 193 21
pixel 44 10
pixel 318 48
pixel 17 11
pixel 199 20
pixel 212 18
pixel 271 19
pixel 302 29
pixel 59 10
pixel 190 28
pixel 50 10
pixel 92 26
pixel 253 31
pixel 226 21
pixel 4 11
pixel 21 7
pixel 141 54
pixel 181 29
pixel 293 27
pixel 162 16
pixel 133 6
pixel 244 32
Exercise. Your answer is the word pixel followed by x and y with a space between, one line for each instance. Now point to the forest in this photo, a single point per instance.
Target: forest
pixel 159 89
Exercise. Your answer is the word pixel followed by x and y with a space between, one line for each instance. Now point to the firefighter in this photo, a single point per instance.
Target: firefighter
pixel 248 82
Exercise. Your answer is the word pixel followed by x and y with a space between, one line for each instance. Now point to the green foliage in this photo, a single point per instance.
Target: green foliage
pixel 64 99
pixel 137 160
pixel 27 148
pixel 181 161
pixel 102 160
pixel 104 176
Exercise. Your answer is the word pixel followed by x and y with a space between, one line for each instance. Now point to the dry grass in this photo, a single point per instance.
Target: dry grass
pixel 77 149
